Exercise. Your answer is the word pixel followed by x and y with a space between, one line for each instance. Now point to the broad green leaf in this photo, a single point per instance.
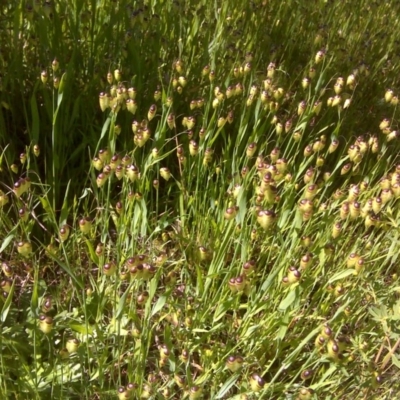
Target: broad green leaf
pixel 288 300
pixel 158 305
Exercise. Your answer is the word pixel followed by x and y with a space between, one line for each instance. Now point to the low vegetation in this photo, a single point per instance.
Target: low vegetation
pixel 199 200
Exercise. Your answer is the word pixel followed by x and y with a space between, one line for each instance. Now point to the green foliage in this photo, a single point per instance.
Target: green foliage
pixel 199 200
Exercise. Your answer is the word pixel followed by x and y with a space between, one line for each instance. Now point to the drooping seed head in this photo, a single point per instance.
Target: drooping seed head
pixel 256 383
pixel 45 324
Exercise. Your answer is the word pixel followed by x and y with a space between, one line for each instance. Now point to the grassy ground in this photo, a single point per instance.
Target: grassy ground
pixel 199 200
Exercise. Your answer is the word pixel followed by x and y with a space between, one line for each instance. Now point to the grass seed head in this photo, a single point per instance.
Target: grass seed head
pixel 306 261
pixel 344 210
pixel 109 269
pixel 301 108
pixel 346 168
pixel 152 112
pixel 355 210
pixel 305 83
pixel 8 270
pixel 123 393
pixel 351 81
pixel 64 232
pixel 317 107
pixel 24 248
pixel 72 345
pixel 184 356
pixel 293 275
pixel 234 363
pixel 352 260
pixel 320 342
pixel 336 230
pixel 5 285
pixel 44 77
pixel 231 213
pixel 389 95
pixel 101 180
pixel 266 218
pixel 256 383
pixel 195 392
pixel 305 394
pixel 165 173
pixel 141 300
pixel 23 214
pixel 132 172
pixel 131 106
pixel 211 76
pixel 221 122
pixel 310 192
pixel 334 350
pixel 309 175
pixel 180 381
pixel 120 172
pixel 359 265
pixel 45 324
pixel 251 149
pixel 307 374
pixel 386 195
pixel 319 163
pixel 157 95
pixel 319 56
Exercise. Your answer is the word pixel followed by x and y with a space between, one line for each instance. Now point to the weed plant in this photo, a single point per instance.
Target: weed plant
pixel 199 199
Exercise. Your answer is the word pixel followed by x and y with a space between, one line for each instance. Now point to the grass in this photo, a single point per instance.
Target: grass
pixel 199 200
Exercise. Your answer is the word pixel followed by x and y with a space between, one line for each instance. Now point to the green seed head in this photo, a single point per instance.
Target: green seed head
pixel 317 107
pixel 7 270
pixel 5 285
pixel 309 175
pixel 351 81
pixel 64 233
pixel 45 324
pixel 157 95
pixel 44 77
pixel 377 204
pixel 24 248
pixel 320 342
pixel 301 107
pixel 251 149
pixel 234 363
pixel 307 374
pixel 152 112
pixel 319 56
pixel 389 95
pixel 334 350
pixel 72 345
pixel 132 92
pixel 211 76
pixel 165 173
pixel 132 172
pixel 109 269
pixel 231 213
pixel 293 275
pixel 195 392
pixel 123 394
pixel 306 260
pixel 305 394
pixel 305 83
pixel 344 210
pixel 271 70
pixel 256 383
pixel 346 169
pixel 179 380
pixel 266 218
pixel 336 230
